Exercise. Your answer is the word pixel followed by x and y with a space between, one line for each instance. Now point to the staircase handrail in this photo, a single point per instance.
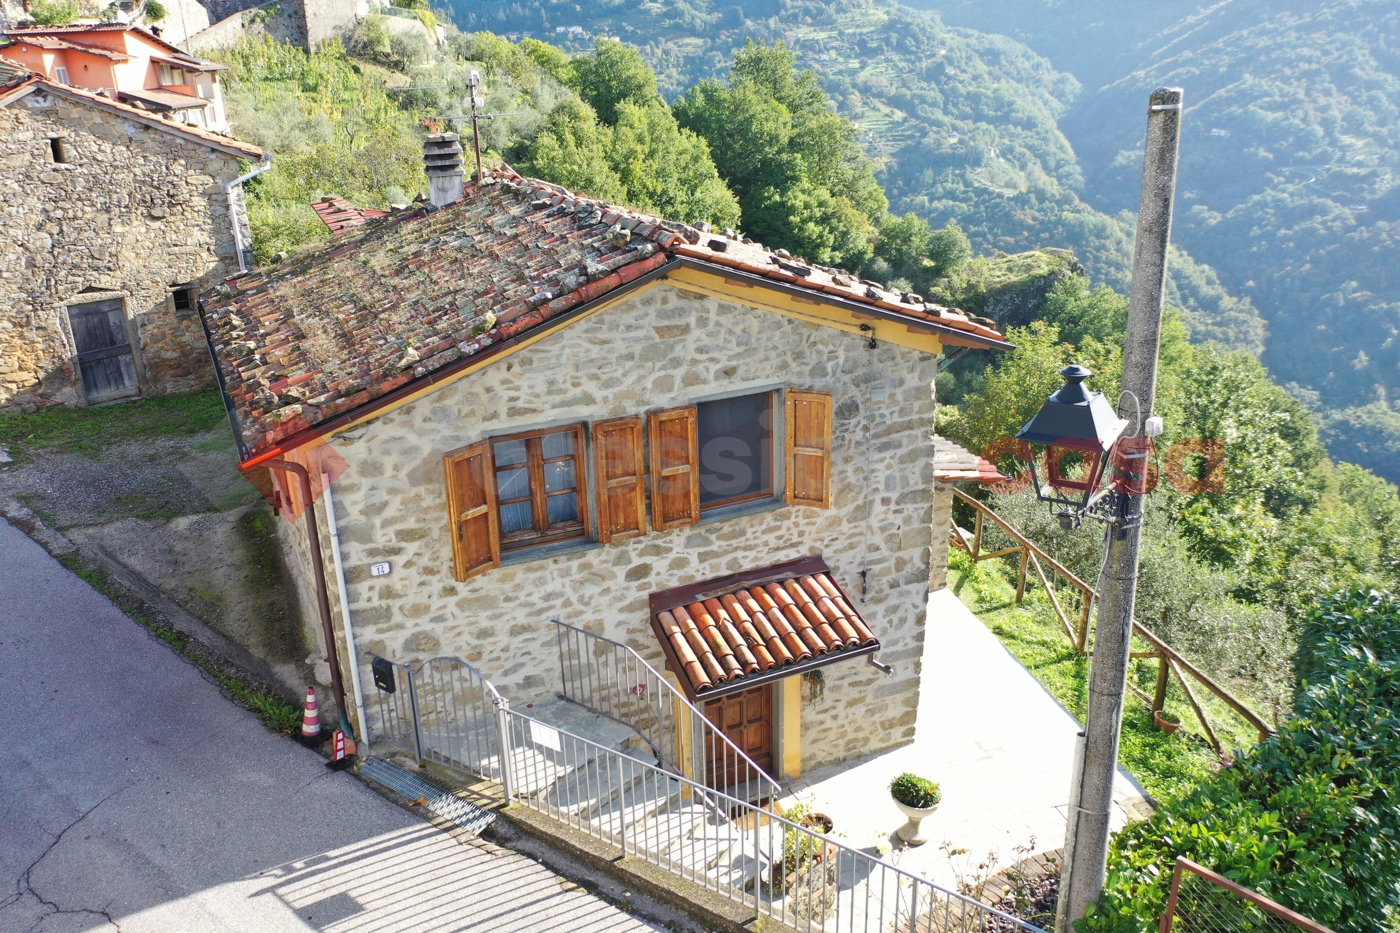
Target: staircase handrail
pixel 697 716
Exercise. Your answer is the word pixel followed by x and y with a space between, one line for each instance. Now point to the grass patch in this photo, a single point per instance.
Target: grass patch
pixel 1166 765
pixel 275 713
pixel 88 431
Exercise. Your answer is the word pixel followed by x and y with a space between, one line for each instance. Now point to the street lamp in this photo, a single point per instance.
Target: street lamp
pixel 1074 422
pixel 1096 756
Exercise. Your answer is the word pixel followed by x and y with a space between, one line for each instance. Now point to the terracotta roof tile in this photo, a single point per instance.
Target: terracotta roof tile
pixel 726 632
pixel 339 214
pixel 953 464
pixel 397 298
pixel 27 32
pixel 193 133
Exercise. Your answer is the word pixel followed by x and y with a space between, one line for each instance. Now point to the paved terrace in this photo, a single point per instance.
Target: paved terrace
pixel 997 742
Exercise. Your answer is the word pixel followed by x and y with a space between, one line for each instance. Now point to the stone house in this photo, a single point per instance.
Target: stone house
pixel 126 63
pixel 529 405
pixel 114 218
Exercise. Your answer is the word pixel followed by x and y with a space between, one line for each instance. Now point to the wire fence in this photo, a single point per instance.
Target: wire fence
pixel 446 711
pixel 1202 901
pixel 749 855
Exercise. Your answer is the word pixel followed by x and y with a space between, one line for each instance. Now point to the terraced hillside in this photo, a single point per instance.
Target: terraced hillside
pixel 963 125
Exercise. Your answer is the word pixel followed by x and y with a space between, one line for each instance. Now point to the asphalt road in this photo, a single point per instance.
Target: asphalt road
pixel 135 796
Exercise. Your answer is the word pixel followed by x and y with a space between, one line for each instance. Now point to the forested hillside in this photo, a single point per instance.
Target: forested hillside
pixel 1290 152
pixel 961 127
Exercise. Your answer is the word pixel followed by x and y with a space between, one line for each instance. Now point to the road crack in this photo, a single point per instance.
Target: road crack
pixel 24 885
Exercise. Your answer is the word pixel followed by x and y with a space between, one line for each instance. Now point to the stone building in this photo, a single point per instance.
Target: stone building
pixel 536 406
pixel 114 218
pixel 126 63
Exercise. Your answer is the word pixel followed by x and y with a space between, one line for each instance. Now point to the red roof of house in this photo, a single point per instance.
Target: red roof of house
pixel 29 83
pixel 354 322
pixel 954 464
pixel 722 635
pixel 27 33
pixel 339 214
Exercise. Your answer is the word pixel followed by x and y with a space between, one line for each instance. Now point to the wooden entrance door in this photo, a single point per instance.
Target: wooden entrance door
pixel 747 719
pixel 104 349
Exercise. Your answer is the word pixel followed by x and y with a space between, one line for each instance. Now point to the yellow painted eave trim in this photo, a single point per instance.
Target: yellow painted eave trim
pixel 817 312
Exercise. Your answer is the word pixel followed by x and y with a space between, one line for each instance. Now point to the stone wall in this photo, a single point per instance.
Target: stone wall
pixel 134 212
pixel 942 529
pixel 662 348
pixel 328 19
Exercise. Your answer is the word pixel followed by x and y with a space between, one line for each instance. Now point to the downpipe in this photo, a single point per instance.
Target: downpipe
pixel 344 595
pixel 229 188
pixel 323 603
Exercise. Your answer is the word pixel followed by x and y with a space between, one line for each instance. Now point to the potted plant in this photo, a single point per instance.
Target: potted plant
pixel 1159 717
pixel 917 797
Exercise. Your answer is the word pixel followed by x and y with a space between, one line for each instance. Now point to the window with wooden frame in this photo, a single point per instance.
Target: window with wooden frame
pixel 540 485
pixel 735 437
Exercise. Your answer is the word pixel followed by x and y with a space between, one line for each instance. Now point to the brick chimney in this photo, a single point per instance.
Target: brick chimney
pixel 442 159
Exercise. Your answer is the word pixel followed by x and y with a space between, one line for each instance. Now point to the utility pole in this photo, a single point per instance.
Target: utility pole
pixel 473 83
pixel 1091 796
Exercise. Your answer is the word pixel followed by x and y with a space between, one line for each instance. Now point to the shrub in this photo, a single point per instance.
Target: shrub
pixel 1308 818
pixel 914 791
pixel 53 12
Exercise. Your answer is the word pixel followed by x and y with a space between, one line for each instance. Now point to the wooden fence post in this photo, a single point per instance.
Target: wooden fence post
pixel 1159 698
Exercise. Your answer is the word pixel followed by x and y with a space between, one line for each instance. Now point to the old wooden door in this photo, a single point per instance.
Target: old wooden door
pixel 747 719
pixel 104 348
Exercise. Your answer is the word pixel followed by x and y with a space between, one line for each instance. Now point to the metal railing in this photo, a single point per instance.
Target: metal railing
pixel 747 854
pixel 443 710
pixel 1067 592
pixel 613 680
pixel 1202 901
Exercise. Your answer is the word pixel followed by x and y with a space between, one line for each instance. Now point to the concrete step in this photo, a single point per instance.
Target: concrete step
pixel 654 793
pixel 602 782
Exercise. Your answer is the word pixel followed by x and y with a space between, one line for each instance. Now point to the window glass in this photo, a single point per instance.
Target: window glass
pixel 563 508
pixel 517 516
pixel 558 445
pixel 736 449
pixel 509 453
pixel 538 487
pixel 559 476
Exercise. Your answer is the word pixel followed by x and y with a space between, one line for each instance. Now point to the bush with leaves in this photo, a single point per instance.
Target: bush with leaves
pixel 53 12
pixel 1308 818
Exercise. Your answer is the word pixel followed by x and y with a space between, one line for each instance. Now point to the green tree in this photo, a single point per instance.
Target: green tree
pixel 948 249
pixel 800 177
pixel 903 242
pixel 667 170
pixel 572 150
pixel 610 75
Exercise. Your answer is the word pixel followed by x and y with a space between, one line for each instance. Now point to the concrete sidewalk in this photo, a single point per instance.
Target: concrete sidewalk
pixel 135 796
pixel 997 742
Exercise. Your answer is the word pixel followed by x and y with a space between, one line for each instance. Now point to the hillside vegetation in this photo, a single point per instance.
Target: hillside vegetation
pixel 1290 154
pixel 961 127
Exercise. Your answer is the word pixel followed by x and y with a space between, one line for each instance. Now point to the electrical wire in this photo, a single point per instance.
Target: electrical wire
pixel 870 491
pixel 1136 404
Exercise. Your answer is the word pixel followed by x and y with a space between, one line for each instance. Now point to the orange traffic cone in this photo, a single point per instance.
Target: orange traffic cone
pixel 342 747
pixel 311 721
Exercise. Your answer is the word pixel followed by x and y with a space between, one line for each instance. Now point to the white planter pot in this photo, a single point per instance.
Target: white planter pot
pixel 909 833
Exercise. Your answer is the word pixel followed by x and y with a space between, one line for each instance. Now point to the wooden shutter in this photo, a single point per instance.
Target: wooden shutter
pixel 675 468
pixel 619 467
pixel 471 505
pixel 809 448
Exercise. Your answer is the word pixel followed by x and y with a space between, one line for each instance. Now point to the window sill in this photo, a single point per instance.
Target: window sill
pixel 743 508
pixel 546 551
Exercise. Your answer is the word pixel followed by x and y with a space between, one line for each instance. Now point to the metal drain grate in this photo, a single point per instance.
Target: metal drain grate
pixel 448 806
